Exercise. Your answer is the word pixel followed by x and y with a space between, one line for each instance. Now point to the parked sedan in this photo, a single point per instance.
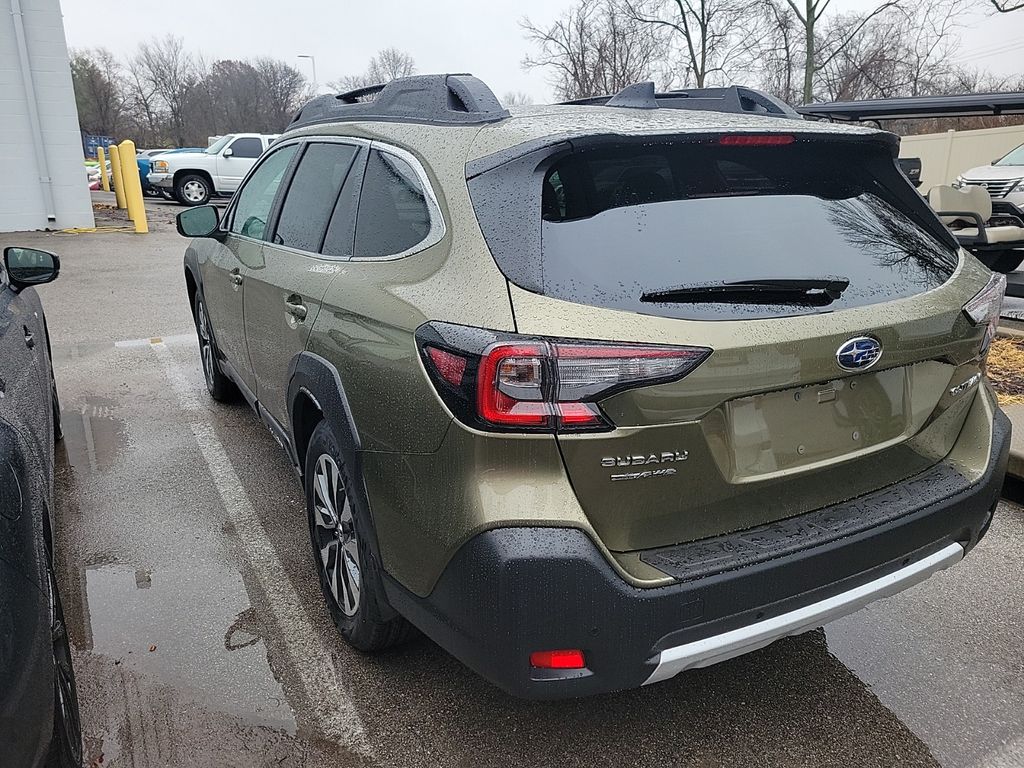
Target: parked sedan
pixel 39 722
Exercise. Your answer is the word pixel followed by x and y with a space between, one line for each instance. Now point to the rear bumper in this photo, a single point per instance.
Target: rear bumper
pixel 511 591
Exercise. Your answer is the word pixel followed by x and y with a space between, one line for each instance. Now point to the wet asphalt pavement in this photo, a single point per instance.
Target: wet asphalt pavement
pixel 200 637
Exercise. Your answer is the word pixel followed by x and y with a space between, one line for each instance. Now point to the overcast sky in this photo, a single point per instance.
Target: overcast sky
pixel 483 38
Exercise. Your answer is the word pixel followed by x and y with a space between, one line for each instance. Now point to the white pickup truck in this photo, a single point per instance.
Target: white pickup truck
pixel 194 177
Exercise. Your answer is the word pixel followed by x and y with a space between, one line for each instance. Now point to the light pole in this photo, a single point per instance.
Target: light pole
pixel 312 60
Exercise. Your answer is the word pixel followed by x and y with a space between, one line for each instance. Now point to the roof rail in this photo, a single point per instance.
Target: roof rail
pixel 450 99
pixel 734 98
pixel 908 107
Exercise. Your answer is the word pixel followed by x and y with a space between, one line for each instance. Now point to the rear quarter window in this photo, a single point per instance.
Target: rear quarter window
pixel 393 214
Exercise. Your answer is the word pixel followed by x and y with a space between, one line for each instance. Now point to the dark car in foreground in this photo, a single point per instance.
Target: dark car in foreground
pixel 39 723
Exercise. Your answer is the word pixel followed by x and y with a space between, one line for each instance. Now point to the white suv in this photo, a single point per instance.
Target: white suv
pixel 194 177
pixel 1004 180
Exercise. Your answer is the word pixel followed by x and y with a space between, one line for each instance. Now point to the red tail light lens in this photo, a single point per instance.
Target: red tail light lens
pixel 510 386
pixel 762 140
pixel 566 659
pixel 522 384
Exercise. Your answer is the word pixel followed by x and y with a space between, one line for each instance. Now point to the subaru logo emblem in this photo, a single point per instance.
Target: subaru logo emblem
pixel 859 354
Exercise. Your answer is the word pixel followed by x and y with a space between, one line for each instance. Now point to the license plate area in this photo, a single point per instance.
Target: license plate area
pixel 779 432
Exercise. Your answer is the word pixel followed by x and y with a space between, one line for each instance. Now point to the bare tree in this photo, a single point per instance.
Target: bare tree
pixel 391 64
pixel 595 47
pixel 165 69
pixel 712 37
pixel 516 99
pixel 282 90
pixel 809 17
pixel 900 52
pixel 388 64
pixel 96 76
pixel 1005 6
pixel 778 51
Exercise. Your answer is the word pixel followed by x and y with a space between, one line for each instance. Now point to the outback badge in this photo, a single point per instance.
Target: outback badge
pixel 859 354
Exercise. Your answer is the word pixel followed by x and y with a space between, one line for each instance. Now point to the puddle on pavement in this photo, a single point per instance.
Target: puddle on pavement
pixel 192 630
pixel 93 434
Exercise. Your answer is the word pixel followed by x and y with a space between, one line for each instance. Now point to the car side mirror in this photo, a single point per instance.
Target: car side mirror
pixel 228 152
pixel 201 221
pixel 29 266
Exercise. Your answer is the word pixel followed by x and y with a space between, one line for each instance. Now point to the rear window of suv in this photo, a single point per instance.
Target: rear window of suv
pixel 616 223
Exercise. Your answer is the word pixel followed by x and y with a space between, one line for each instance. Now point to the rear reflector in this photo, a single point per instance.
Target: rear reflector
pixel 566 659
pixel 764 140
pixel 450 367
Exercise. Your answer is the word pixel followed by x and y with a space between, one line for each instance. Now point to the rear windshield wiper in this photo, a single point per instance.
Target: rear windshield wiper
pixel 804 291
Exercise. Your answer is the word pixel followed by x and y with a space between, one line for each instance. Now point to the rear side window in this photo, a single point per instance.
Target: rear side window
pixel 393 212
pixel 256 197
pixel 313 194
pixel 247 147
pixel 617 224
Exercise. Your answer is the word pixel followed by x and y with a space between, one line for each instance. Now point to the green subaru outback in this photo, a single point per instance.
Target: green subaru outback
pixel 595 393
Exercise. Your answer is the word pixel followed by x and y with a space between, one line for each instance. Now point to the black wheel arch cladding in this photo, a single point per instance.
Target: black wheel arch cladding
pixel 313 377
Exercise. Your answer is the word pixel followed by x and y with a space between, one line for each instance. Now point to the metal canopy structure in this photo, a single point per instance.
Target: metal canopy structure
pixel 970 105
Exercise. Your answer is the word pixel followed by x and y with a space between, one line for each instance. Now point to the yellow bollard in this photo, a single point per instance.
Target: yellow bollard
pixel 104 179
pixel 115 169
pixel 133 186
pixel 126 172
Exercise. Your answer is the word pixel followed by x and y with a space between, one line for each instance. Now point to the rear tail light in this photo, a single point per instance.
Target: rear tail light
pixel 505 382
pixel 985 307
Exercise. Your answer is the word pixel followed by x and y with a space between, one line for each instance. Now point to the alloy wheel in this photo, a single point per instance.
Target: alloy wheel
pixel 334 535
pixel 66 694
pixel 205 343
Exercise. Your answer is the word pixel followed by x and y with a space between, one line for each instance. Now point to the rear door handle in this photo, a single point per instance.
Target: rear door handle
pixel 293 306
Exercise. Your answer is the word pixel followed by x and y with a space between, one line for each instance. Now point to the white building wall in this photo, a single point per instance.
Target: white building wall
pixel 944 156
pixel 22 200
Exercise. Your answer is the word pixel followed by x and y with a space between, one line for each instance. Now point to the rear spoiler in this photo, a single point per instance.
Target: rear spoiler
pixel 558 143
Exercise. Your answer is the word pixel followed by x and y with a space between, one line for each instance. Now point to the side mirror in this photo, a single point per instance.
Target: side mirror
pixel 201 221
pixel 28 266
pixel 228 152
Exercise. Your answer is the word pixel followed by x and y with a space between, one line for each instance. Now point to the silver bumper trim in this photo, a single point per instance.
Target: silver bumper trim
pixel 711 650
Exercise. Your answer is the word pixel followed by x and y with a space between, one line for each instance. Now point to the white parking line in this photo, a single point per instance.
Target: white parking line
pixel 178 338
pixel 330 705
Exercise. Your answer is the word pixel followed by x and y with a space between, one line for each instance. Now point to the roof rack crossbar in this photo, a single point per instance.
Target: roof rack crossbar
pixel 448 99
pixel 735 99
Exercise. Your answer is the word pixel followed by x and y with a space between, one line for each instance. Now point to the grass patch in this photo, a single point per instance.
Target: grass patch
pixel 1006 370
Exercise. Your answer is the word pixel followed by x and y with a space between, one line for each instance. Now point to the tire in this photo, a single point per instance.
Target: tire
pixel 58 428
pixel 192 189
pixel 66 742
pixel 349 574
pixel 1002 261
pixel 220 387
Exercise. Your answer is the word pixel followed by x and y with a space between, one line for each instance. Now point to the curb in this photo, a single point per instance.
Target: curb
pixel 1015 467
pixel 1010 328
